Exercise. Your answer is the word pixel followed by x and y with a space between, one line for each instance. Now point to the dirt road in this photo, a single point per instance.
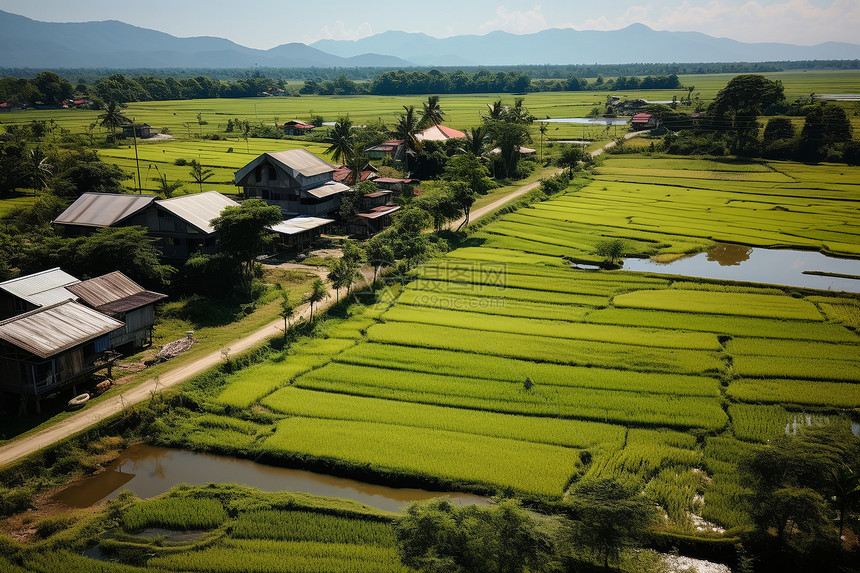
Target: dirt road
pixel 95 413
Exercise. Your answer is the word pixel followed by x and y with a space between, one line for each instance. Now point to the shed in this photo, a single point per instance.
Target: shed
pixel 298 232
pixel 116 295
pixel 371 222
pixel 643 121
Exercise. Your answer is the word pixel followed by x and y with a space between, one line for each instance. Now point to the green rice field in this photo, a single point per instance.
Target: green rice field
pixel 499 368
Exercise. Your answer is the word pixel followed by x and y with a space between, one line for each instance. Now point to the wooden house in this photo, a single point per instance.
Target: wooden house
pixel 394 149
pixel 372 221
pixel 51 348
pixel 34 291
pixel 643 121
pixel 297 181
pixel 299 232
pixel 117 296
pixel 297 128
pixel 183 224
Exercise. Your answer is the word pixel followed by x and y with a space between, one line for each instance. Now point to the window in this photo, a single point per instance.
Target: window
pixel 258 173
pixel 273 175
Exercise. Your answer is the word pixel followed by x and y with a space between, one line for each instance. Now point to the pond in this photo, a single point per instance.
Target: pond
pixel 151 470
pixel 587 120
pixel 783 267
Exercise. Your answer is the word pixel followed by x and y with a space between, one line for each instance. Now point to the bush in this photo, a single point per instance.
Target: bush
pixel 180 161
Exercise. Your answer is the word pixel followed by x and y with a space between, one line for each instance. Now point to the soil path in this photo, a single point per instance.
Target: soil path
pixel 94 414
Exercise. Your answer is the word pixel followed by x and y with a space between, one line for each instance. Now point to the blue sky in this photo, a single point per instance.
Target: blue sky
pixel 267 23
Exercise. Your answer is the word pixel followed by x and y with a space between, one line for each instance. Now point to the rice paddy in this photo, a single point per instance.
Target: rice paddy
pixel 500 368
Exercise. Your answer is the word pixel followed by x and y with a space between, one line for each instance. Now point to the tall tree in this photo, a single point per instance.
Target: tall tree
pixel 243 232
pixel 464 197
pixel 287 310
pixel 338 276
pixel 112 119
pixel 39 170
pixel 476 141
pixel 432 113
pixel 199 173
pixel 741 102
pixel 341 141
pixel 317 294
pixel 379 253
pixel 405 129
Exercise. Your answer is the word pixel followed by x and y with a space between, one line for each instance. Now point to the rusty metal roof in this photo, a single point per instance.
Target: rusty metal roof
pixel 50 330
pixel 42 288
pixel 114 292
pixel 103 209
pixel 198 209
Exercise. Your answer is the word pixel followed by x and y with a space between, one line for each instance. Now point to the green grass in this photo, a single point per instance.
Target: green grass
pixel 311 526
pixel 175 513
pixel 571 433
pixel 805 392
pixel 743 304
pixel 442 454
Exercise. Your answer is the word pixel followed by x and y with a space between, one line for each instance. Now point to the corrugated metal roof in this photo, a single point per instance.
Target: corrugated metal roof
pixel 48 331
pixel 328 189
pixel 378 212
pixel 131 302
pixel 42 288
pixel 103 209
pixel 294 161
pixel 112 288
pixel 198 209
pixel 298 225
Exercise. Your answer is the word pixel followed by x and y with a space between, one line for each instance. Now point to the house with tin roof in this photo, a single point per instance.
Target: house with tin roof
pixel 53 348
pixel 439 133
pixel 296 180
pixel 119 297
pixel 93 211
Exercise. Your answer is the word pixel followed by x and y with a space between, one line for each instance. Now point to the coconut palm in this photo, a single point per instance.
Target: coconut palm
pixel 405 129
pixel 112 119
pixel 432 114
pixel 542 129
pixel 199 174
pixel 476 140
pixel 38 169
pixel 340 140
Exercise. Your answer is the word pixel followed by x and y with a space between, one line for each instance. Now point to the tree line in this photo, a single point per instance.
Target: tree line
pixel 50 89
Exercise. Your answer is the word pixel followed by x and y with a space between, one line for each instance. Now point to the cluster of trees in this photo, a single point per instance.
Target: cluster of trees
pixel 601 518
pixel 732 125
pixel 621 83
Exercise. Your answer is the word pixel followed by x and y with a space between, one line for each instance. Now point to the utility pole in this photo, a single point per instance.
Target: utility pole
pixel 136 158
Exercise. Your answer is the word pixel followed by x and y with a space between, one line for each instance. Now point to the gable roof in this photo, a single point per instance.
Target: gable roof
pixel 642 117
pixel 300 224
pixel 328 189
pixel 42 288
pixel 103 209
pixel 439 133
pixel 293 161
pixel 199 209
pixel 114 292
pixel 48 331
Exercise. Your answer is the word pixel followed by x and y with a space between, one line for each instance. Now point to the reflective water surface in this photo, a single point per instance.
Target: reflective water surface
pixel 772 266
pixel 151 470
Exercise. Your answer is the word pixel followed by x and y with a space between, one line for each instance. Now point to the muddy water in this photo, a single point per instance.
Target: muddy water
pixel 150 470
pixel 772 266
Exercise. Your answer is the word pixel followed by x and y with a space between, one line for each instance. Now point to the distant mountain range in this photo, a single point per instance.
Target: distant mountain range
pixel 26 43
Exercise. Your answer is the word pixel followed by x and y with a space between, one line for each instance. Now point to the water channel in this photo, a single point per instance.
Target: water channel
pixel 151 470
pixel 783 267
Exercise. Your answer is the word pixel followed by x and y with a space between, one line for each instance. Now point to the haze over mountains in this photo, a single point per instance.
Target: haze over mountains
pixel 27 43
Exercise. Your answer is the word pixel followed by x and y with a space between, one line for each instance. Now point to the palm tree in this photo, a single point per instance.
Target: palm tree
pixel 38 169
pixel 338 276
pixel 165 187
pixel 405 129
pixel 340 140
pixel 199 174
pixel 542 129
pixel 111 119
pixel 432 114
pixel 476 139
pixel 496 110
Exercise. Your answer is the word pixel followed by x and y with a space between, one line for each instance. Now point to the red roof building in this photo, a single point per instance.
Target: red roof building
pixel 643 121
